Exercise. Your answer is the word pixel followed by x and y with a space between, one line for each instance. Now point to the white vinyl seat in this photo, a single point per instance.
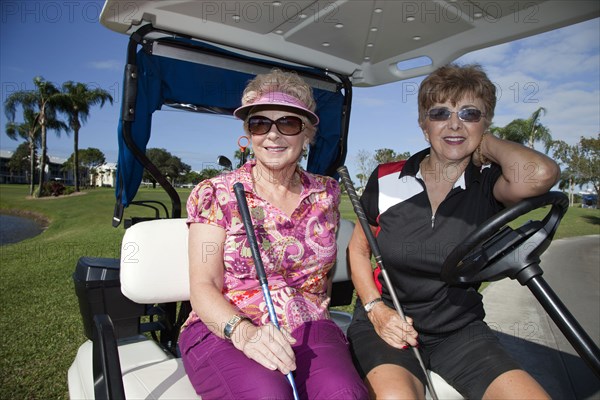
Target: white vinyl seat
pixel 154 260
pixel 154 269
pixel 148 372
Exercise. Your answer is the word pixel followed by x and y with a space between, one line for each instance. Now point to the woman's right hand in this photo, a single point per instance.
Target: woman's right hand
pixel 267 345
pixel 392 328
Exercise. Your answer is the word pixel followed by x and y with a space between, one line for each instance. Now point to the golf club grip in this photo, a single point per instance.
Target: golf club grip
pixel 362 218
pixel 240 196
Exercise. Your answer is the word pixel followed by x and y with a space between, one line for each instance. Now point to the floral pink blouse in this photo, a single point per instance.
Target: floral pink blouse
pixel 297 252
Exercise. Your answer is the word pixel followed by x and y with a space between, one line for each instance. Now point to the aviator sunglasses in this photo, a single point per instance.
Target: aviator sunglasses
pixel 288 125
pixel 466 114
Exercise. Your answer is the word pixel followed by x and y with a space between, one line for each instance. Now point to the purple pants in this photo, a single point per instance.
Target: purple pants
pixel 324 368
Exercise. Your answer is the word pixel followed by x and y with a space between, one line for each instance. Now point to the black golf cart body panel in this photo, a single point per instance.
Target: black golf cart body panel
pixel 198 55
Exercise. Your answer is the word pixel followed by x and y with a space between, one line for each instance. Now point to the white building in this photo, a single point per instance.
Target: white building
pixel 105 175
pixel 54 170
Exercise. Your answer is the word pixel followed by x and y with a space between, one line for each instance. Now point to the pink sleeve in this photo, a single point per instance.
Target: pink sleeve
pixel 203 205
pixel 333 190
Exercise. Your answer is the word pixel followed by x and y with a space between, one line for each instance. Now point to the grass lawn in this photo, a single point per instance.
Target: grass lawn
pixel 40 322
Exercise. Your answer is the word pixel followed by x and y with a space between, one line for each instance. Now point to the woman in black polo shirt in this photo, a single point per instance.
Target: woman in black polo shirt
pixel 420 210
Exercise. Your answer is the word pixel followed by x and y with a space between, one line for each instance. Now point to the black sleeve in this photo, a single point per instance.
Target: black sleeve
pixel 490 177
pixel 370 198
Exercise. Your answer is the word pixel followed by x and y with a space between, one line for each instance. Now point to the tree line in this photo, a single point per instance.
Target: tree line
pixel 580 163
pixel 174 170
pixel 66 109
pixel 43 107
pixel 88 159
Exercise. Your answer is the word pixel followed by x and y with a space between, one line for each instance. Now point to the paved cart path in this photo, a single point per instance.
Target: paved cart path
pixel 572 269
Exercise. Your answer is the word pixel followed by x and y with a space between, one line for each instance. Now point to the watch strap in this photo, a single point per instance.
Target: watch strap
pixel 232 324
pixel 369 306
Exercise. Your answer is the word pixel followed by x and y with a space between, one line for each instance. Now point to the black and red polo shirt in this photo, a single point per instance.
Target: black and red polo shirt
pixel 414 243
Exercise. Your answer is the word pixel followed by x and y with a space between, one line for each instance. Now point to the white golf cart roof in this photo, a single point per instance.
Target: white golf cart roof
pixel 371 41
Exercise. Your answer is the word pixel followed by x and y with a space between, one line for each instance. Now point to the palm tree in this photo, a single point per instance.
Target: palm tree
pixel 567 183
pixel 43 103
pixel 80 99
pixel 538 131
pixel 241 157
pixel 527 131
pixel 29 131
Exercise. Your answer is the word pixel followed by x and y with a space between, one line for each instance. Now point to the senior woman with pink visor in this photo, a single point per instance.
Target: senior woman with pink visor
pixel 229 345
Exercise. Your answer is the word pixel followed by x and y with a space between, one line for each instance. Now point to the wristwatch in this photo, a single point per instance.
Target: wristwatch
pixel 232 324
pixel 369 306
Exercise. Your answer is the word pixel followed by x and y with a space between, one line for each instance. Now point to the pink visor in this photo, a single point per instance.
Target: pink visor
pixel 278 99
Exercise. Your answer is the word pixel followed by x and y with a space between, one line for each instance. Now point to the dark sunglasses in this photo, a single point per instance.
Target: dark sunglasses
pixel 466 114
pixel 288 125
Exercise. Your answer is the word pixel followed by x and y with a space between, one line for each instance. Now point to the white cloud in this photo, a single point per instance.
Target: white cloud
pixel 112 65
pixel 552 55
pixel 570 114
pixel 490 55
pixel 572 109
pixel 556 61
pixel 582 37
pixel 558 70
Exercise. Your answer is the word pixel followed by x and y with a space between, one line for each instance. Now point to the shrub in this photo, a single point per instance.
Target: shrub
pixel 53 188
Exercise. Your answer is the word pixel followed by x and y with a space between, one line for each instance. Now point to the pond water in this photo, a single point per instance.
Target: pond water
pixel 14 229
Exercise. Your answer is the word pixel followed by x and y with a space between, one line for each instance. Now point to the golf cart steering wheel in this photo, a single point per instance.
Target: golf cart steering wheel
pixel 495 251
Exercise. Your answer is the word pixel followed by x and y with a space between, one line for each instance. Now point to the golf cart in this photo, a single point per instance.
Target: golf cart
pixel 198 56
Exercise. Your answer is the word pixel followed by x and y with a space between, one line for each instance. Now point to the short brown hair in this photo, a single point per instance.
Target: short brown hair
pixel 453 82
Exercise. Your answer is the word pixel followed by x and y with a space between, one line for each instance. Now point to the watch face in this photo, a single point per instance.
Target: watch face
pixel 230 325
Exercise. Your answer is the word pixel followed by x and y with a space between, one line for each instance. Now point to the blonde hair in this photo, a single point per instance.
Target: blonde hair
pixel 278 81
pixel 289 83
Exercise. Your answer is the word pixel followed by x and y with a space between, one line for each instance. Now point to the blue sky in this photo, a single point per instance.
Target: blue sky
pixel 62 40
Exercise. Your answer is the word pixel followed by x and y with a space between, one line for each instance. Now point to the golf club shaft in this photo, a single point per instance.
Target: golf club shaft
pixel 240 196
pixel 362 219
